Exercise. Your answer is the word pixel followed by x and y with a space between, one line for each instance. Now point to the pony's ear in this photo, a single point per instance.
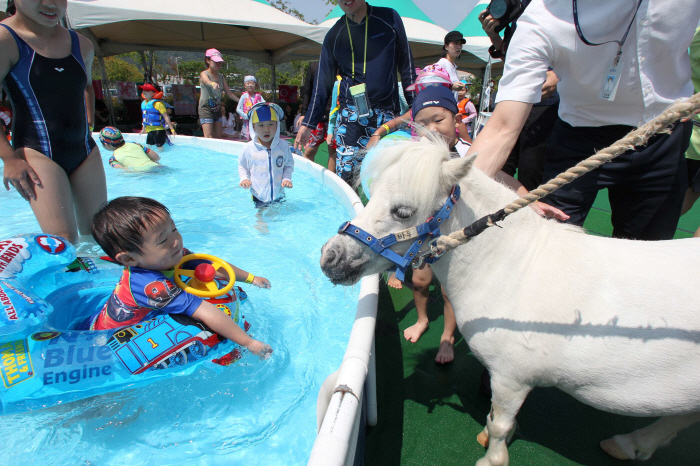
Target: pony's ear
pixel 455 169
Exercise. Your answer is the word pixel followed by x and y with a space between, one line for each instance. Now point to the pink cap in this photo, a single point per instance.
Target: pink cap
pixel 214 54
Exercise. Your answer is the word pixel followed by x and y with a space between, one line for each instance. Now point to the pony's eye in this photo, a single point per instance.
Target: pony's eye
pixel 402 212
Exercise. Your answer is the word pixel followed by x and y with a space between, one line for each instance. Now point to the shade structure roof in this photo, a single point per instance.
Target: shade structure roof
pixel 250 28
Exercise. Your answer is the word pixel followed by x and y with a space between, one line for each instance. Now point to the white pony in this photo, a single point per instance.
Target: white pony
pixel 614 323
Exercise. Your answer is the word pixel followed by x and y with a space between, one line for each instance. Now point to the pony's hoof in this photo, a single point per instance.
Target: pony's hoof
pixel 611 447
pixel 483 439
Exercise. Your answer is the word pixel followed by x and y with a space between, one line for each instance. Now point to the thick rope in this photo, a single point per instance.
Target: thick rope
pixel 638 137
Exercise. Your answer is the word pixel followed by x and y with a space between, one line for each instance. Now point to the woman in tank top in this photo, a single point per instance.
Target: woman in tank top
pixel 53 162
pixel 212 86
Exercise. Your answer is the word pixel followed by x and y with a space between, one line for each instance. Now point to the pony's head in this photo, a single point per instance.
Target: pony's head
pixel 410 182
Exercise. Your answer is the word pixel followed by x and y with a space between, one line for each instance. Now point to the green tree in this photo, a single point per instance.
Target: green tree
pixel 264 77
pixel 190 71
pixel 332 4
pixel 118 70
pixel 283 5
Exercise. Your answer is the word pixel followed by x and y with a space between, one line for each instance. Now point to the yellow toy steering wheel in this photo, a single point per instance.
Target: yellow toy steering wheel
pixel 202 281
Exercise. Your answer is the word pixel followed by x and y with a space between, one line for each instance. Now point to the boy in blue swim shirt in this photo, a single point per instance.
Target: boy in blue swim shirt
pixel 139 233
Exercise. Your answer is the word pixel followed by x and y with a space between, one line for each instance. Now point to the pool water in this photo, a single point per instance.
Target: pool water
pixel 254 412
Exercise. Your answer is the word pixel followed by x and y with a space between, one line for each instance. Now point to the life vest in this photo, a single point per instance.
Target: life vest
pixel 248 103
pixel 462 106
pixel 151 115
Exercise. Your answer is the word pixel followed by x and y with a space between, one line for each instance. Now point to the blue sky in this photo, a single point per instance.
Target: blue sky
pixel 445 13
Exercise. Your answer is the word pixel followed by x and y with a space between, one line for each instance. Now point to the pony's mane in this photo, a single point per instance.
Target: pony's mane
pixel 420 165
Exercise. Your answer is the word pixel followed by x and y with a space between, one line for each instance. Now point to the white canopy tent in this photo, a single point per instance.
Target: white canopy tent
pixel 249 28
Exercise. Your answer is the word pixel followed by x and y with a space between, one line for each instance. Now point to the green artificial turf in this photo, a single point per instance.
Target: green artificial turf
pixel 430 414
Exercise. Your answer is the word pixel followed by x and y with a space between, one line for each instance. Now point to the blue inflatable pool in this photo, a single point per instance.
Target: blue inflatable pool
pixel 45 291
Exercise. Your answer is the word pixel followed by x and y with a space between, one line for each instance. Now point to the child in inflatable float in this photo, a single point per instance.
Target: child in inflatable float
pixel 139 233
pixel 127 155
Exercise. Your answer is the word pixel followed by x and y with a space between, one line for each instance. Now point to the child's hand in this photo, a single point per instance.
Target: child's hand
pixel 260 349
pixel 246 184
pixel 262 282
pixel 329 138
pixel 287 184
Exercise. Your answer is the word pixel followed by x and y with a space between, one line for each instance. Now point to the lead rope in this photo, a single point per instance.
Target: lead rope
pixel 635 138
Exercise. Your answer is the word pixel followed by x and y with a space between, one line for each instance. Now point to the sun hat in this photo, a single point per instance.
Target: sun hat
pixel 148 87
pixel 432 75
pixel 111 136
pixel 214 54
pixel 250 78
pixel 434 96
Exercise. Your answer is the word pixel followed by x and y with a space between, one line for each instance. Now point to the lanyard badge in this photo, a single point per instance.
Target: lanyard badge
pixel 613 68
pixel 611 79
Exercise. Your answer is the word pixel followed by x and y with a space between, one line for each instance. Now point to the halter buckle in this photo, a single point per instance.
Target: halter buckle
pixel 434 250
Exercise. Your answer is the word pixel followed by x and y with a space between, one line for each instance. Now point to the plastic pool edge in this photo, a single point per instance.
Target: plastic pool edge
pixel 339 403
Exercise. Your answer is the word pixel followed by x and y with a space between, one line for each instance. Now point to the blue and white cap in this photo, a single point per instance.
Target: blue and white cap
pixel 434 96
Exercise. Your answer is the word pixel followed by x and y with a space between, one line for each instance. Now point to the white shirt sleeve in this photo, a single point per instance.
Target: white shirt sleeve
pixel 244 165
pixel 527 61
pixel 239 108
pixel 288 164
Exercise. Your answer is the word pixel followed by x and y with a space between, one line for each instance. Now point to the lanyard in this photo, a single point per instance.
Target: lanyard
pixel 620 42
pixel 364 67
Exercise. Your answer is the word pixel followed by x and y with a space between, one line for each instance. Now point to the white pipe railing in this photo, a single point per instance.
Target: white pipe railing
pixel 335 438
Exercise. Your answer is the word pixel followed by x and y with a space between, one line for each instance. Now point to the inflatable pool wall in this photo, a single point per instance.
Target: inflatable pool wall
pixel 45 290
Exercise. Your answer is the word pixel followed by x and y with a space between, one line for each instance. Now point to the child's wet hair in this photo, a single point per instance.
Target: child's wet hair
pixel 119 225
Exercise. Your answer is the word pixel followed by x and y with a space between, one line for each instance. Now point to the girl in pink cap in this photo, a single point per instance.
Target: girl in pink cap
pixel 212 85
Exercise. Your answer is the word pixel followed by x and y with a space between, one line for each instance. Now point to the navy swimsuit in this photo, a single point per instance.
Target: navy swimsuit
pixel 48 103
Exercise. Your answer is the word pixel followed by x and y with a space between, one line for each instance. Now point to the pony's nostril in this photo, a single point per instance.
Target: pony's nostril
pixel 332 256
pixel 329 257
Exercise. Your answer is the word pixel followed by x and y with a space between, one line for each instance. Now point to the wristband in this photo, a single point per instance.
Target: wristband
pixel 386 127
pixel 92 128
pixel 250 278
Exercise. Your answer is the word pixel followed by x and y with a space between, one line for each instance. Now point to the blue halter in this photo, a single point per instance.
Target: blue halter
pixel 431 228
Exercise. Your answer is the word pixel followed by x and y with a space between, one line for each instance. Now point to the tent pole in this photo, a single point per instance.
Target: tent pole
pixel 274 82
pixel 105 89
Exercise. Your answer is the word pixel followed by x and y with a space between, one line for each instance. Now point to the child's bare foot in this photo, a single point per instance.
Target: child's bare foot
pixel 262 227
pixel 446 353
pixel 394 282
pixel 414 332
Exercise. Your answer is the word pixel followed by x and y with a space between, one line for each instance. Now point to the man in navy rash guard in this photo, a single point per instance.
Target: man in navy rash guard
pixel 374 63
